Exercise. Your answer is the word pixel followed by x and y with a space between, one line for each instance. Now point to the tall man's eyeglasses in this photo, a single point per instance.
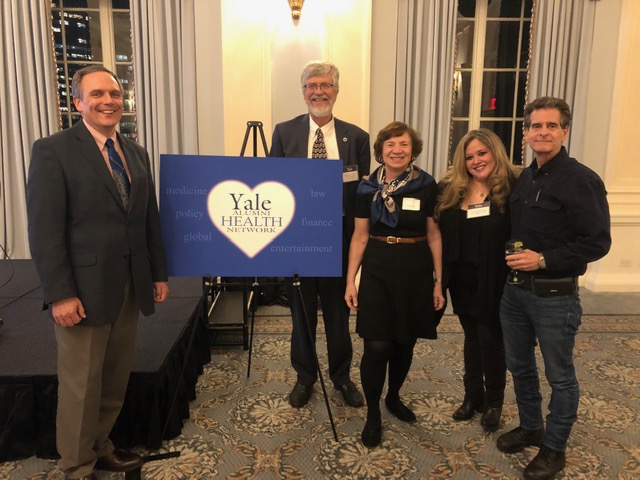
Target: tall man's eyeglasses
pixel 312 87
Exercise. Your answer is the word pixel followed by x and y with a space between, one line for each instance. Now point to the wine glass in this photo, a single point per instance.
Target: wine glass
pixel 511 247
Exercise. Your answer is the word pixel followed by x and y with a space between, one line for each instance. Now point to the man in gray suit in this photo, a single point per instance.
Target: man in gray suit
pixel 319 134
pixel 94 232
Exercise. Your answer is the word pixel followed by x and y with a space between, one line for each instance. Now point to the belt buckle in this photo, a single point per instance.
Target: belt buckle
pixel 393 240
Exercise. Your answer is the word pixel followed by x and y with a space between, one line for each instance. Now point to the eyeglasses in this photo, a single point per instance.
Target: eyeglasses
pixel 312 87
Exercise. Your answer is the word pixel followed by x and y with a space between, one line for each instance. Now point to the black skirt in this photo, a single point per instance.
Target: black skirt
pixel 395 297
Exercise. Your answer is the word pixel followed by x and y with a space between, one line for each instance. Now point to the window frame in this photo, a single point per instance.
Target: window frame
pixel 474 119
pixel 106 12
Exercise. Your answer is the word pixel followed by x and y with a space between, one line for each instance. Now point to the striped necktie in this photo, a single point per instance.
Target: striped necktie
pixel 119 172
pixel 319 149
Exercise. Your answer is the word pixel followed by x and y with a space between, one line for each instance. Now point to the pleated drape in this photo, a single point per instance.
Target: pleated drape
pixel 560 60
pixel 424 80
pixel 164 57
pixel 28 109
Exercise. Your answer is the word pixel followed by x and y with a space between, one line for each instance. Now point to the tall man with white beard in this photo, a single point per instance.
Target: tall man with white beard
pixel 318 134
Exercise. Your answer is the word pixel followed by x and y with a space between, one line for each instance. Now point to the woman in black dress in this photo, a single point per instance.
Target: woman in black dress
pixel 399 247
pixel 474 221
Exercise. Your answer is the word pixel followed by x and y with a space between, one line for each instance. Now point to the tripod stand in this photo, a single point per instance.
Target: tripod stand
pixel 255 127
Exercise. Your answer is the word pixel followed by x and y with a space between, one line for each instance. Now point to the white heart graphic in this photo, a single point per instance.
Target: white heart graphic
pixel 251 219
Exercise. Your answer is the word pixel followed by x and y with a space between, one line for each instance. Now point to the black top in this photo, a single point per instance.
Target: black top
pixel 474 268
pixel 561 211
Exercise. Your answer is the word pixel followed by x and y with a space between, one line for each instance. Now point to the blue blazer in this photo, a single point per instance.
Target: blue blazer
pixel 83 242
pixel 291 139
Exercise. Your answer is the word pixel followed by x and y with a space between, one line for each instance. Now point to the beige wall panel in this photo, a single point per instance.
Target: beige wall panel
pixel 264 50
pixel 209 78
pixel 620 269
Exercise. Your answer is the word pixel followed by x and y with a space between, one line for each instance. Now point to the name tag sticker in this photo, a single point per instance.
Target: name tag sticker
pixel 479 210
pixel 412 204
pixel 350 174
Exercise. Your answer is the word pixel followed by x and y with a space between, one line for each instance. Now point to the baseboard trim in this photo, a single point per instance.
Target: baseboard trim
pixel 612 282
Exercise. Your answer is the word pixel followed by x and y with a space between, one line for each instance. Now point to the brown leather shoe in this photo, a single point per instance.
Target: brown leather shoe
pixel 120 460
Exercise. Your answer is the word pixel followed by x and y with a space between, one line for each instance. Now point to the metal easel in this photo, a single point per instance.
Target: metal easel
pixel 255 127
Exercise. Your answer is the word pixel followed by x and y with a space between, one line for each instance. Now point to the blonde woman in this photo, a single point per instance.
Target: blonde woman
pixel 473 216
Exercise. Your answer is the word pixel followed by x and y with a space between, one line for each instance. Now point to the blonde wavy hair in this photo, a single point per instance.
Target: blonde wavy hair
pixel 455 183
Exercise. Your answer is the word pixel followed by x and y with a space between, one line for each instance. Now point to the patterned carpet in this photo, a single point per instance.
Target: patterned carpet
pixel 243 428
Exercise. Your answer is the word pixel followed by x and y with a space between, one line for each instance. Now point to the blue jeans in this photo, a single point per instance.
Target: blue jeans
pixel 553 322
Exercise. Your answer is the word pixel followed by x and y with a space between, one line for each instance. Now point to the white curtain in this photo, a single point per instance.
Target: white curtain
pixel 425 53
pixel 164 56
pixel 28 109
pixel 560 61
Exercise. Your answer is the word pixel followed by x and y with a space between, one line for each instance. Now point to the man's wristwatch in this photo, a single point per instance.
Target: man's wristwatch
pixel 541 262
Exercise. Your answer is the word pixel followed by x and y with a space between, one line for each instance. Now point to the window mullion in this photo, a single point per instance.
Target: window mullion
pixel 108 39
pixel 480 34
pixel 63 62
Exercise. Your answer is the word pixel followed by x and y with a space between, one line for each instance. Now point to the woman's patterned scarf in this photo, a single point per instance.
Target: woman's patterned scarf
pixel 383 206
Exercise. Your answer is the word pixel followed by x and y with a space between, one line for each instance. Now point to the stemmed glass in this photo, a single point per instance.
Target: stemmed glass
pixel 511 247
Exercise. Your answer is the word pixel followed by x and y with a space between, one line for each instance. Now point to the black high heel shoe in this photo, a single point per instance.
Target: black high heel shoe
pixel 467 410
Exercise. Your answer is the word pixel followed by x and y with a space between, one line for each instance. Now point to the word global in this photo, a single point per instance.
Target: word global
pixel 197 237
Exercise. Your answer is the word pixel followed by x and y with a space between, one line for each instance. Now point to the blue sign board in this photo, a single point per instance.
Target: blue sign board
pixel 247 216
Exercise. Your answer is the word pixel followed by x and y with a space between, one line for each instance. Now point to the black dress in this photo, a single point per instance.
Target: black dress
pixel 395 297
pixel 474 269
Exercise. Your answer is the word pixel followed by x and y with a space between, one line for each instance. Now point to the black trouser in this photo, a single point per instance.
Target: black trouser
pixel 335 313
pixel 485 370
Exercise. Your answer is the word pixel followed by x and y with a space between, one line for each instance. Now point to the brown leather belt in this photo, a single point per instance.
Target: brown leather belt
pixel 394 240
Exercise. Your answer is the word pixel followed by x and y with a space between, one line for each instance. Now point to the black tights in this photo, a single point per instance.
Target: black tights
pixel 373 370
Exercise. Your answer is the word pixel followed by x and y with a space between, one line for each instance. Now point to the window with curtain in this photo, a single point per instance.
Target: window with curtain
pixel 93 32
pixel 490 72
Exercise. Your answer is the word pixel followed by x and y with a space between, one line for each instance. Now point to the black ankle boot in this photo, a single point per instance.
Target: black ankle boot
pixel 545 465
pixel 467 409
pixel 490 420
pixel 518 439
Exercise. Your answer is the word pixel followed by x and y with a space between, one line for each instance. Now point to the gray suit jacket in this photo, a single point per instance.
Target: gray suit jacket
pixel 83 241
pixel 291 138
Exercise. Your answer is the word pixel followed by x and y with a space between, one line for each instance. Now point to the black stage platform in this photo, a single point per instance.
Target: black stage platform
pixel 28 381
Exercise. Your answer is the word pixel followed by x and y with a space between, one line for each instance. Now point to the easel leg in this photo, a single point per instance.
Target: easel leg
pixel 254 291
pixel 312 342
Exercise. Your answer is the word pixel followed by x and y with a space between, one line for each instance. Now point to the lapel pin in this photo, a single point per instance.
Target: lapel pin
pixel 344 139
